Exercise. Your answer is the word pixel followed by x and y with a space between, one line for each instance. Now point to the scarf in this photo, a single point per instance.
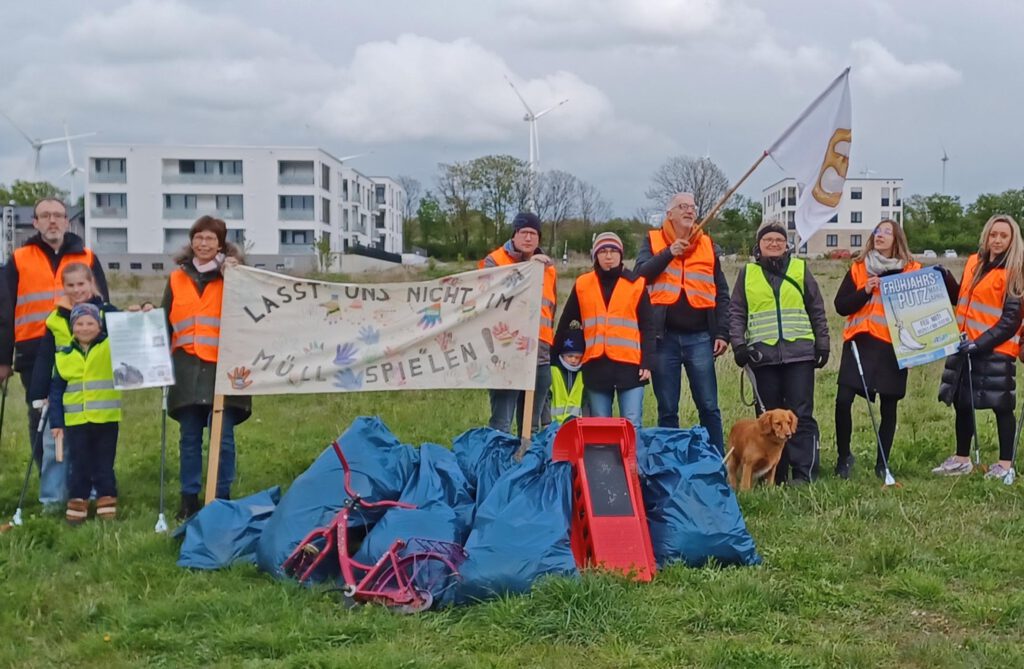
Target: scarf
pixel 877 264
pixel 567 366
pixel 668 232
pixel 209 266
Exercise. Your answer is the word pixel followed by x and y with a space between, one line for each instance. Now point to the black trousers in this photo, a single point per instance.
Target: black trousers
pixel 1005 427
pixel 791 386
pixel 91 448
pixel 844 422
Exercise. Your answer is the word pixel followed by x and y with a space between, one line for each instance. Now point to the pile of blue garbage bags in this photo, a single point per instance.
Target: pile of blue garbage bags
pixel 513 518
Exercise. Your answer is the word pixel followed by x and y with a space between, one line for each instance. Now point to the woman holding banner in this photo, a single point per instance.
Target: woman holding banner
pixel 981 375
pixel 192 302
pixel 859 299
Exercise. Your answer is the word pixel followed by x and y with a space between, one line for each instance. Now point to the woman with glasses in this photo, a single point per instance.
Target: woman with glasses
pixel 859 299
pixel 778 327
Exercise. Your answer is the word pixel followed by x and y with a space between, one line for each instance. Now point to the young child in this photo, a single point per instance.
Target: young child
pixel 85 410
pixel 567 399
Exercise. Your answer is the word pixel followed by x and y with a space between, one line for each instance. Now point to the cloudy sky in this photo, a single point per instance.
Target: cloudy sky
pixel 421 82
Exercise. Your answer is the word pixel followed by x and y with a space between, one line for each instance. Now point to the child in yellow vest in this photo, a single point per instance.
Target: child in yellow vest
pixel 85 410
pixel 567 397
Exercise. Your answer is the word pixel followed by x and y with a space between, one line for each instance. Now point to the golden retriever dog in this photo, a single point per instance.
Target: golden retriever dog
pixel 756 446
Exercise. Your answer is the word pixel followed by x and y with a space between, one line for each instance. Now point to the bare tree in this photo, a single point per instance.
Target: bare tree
pixel 699 176
pixel 555 201
pixel 458 196
pixel 413 189
pixel 592 207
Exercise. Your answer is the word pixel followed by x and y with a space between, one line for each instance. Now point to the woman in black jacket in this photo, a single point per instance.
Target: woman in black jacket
pixel 859 299
pixel 988 314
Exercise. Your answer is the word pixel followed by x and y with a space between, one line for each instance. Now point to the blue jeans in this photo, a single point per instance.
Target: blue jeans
pixel 192 420
pixel 631 404
pixel 695 352
pixel 508 404
pixel 53 475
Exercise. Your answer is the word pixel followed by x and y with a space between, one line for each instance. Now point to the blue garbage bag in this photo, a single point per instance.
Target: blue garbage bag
pixel 485 454
pixel 438 480
pixel 521 530
pixel 692 512
pixel 381 467
pixel 226 531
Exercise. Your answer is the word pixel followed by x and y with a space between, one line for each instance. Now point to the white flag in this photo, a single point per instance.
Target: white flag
pixel 815 150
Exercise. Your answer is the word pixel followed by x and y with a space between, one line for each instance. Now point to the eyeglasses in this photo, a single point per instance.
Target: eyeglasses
pixel 686 207
pixel 51 215
pixel 774 240
pixel 528 232
pixel 883 233
pixel 205 237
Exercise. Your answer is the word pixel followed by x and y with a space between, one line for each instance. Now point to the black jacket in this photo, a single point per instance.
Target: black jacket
pixel 782 352
pixel 604 374
pixel 25 356
pixel 681 316
pixel 993 374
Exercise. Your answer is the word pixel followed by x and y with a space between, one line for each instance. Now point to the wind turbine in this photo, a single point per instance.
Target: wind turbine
pixel 73 169
pixel 531 118
pixel 38 144
pixel 866 173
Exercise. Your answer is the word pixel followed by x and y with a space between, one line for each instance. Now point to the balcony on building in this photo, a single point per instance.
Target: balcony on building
pixel 108 171
pixel 295 208
pixel 109 205
pixel 202 171
pixel 109 241
pixel 295 172
pixel 296 242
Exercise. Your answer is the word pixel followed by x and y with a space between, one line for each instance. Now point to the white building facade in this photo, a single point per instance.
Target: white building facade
pixel 278 202
pixel 865 202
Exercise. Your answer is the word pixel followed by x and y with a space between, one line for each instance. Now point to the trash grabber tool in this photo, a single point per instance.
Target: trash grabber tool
pixel 161 520
pixel 3 409
pixel 974 413
pixel 890 480
pixel 38 443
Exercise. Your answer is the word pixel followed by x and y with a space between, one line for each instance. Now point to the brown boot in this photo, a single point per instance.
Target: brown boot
pixel 77 511
pixel 106 508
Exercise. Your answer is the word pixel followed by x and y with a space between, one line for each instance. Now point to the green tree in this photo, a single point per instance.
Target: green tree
pixel 322 247
pixel 989 204
pixel 27 193
pixel 502 184
pixel 734 228
pixel 937 222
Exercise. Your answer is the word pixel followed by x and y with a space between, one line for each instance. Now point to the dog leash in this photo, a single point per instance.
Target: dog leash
pixel 749 373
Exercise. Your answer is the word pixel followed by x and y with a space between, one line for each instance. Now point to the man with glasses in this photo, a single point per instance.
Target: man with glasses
pixel 523 246
pixel 33 284
pixel 690 297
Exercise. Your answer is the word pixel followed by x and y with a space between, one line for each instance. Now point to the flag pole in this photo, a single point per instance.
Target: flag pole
pixel 725 198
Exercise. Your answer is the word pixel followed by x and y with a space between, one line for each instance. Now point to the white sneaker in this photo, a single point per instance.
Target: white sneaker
pixel 954 467
pixel 997 471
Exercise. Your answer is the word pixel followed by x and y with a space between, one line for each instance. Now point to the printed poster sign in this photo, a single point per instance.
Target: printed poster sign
pixel 139 349
pixel 921 319
pixel 284 335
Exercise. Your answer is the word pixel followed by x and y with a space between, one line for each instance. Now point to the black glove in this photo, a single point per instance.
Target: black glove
pixel 820 357
pixel 741 354
pixel 967 347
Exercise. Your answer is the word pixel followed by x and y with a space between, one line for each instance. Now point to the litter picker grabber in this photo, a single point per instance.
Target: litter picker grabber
pixel 1011 476
pixel 161 520
pixel 3 410
pixel 890 480
pixel 974 414
pixel 38 443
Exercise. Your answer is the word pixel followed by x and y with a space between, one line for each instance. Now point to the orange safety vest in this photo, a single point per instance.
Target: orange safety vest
pixel 697 279
pixel 195 318
pixel 38 288
pixel 548 299
pixel 980 308
pixel 612 330
pixel 871 317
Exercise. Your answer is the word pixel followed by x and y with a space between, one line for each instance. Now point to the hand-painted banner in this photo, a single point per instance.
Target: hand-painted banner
pixel 284 335
pixel 920 317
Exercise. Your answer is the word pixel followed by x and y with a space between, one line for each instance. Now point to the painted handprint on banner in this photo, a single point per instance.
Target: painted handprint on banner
pixel 348 380
pixel 239 378
pixel 345 354
pixel 430 316
pixel 525 344
pixel 502 334
pixel 313 347
pixel 369 335
pixel 444 340
pixel 476 372
pixel 513 279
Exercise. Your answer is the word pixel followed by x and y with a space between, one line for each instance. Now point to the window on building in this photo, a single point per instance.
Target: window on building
pixel 897 216
pixel 344 189
pixel 856 193
pixel 791 220
pixel 158 267
pixel 831 240
pixel 231 204
pixel 325 213
pixel 304 202
pixel 114 265
pixel 791 199
pixel 110 240
pixel 381 195
pixel 897 197
pixel 856 216
pixel 297 237
pixel 180 201
pixel 109 165
pixel 885 215
pixel 135 265
pixel 344 220
pixel 187 166
pixel 885 197
pixel 117 200
pixel 237 237
pixel 175 239
pixel 325 176
pixel 855 241
pixel 834 219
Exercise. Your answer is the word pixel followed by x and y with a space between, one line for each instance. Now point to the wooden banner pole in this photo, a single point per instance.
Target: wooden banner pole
pixel 526 426
pixel 213 458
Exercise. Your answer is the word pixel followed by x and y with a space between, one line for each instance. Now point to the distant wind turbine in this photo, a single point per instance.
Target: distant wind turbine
pixel 867 172
pixel 73 168
pixel 945 159
pixel 531 118
pixel 38 144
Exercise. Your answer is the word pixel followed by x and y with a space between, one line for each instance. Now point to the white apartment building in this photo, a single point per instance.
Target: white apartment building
pixel 865 202
pixel 140 201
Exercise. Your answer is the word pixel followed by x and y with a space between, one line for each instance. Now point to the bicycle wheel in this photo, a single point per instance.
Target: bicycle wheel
pixel 415 576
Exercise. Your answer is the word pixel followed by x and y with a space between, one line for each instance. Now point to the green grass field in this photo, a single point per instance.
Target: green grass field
pixel 854 575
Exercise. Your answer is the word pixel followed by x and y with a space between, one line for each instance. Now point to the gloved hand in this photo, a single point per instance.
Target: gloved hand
pixel 820 357
pixel 741 354
pixel 967 347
